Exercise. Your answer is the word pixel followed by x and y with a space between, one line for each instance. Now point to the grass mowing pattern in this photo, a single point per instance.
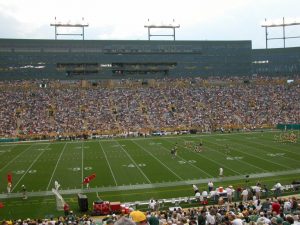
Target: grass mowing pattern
pixel 120 162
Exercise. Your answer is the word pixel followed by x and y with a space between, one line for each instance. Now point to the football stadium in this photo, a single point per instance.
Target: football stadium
pixel 100 128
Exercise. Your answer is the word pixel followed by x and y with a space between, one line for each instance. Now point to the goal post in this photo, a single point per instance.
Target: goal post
pixel 60 202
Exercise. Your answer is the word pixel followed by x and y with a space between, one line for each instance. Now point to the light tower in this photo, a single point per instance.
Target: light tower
pixel 81 25
pixel 172 26
pixel 267 25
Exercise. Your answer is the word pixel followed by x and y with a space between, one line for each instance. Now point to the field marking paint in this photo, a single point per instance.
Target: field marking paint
pixel 234 158
pixel 202 156
pixel 17 156
pixel 208 134
pixel 134 162
pixel 42 152
pixel 4 151
pixel 209 175
pixel 133 166
pixel 7 150
pixel 240 152
pixel 111 171
pixel 75 169
pixel 13 145
pixel 56 166
pixel 288 167
pixel 272 175
pixel 273 147
pixel 158 160
pixel 82 165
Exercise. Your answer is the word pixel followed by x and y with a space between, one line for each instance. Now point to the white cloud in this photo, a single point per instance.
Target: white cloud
pixel 118 19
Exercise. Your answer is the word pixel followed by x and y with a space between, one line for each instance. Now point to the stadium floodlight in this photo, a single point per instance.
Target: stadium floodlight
pixel 81 25
pixel 162 25
pixel 284 23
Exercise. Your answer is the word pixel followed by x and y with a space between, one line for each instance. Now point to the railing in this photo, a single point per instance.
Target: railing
pixel 176 202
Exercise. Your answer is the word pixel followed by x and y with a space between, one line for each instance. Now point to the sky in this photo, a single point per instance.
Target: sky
pixel 125 19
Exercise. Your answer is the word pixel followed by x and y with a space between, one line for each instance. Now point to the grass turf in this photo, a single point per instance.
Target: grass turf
pixel 142 161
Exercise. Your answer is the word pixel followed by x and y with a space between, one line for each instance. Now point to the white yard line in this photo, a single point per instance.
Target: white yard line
pixel 56 166
pixel 273 147
pixel 111 171
pixel 246 146
pixel 271 175
pixel 134 162
pixel 158 160
pixel 81 165
pixel 10 147
pixel 202 156
pixel 42 152
pixel 45 142
pixel 244 162
pixel 196 167
pixel 11 161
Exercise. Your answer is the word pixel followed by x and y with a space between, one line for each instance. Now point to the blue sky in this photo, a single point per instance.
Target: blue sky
pixel 119 19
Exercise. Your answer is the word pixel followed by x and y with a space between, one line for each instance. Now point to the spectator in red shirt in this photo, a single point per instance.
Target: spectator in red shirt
pixel 276 207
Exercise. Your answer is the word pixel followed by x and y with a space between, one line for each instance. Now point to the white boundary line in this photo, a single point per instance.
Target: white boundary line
pixel 7 150
pixel 42 152
pixel 82 165
pixel 246 146
pixel 133 162
pixel 202 156
pixel 158 160
pixel 17 156
pixel 56 166
pixel 209 175
pixel 272 147
pixel 112 173
pixel 239 160
pixel 273 176
pixel 151 137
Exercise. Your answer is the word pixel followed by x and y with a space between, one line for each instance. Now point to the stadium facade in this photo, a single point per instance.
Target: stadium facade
pixel 108 59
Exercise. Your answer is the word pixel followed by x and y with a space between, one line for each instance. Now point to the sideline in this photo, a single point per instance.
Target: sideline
pixel 146 186
pixel 112 138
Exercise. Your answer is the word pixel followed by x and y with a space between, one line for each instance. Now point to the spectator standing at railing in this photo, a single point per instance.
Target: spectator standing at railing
pixel 238 192
pixel 244 195
pixel 266 190
pixel 157 205
pixel 229 193
pixel 257 191
pixel 210 186
pixel 151 205
pixel 277 188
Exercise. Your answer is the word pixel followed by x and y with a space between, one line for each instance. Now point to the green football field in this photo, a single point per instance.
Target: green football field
pixel 142 167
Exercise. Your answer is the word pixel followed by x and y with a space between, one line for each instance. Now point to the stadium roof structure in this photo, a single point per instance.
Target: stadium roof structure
pixel 282 24
pixel 79 25
pixel 172 26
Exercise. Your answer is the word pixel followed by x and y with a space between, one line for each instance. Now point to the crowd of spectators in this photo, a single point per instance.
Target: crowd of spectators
pixel 206 104
pixel 269 211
